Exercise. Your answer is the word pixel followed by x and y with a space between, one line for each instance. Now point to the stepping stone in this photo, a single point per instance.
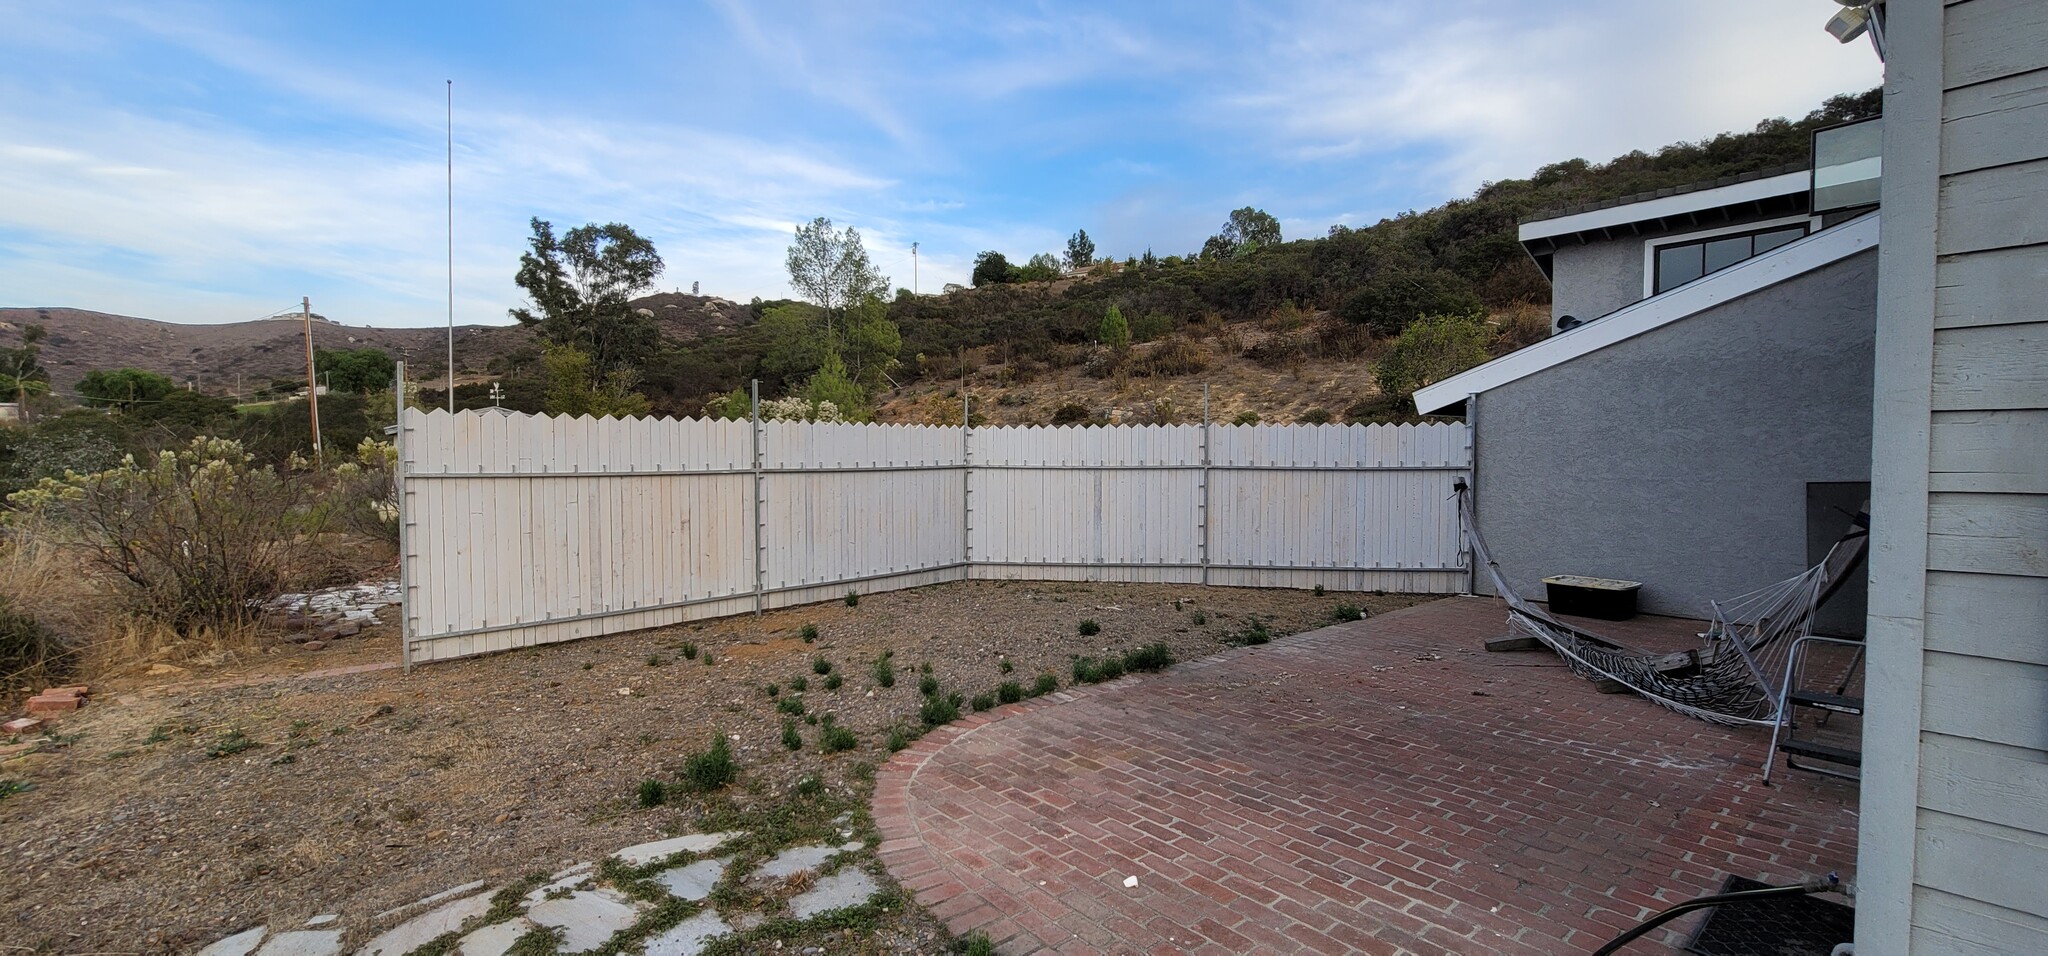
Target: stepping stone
pixel 240 944
pixel 565 880
pixel 646 853
pixel 848 887
pixel 693 882
pixel 303 942
pixel 688 937
pixel 324 919
pixel 495 939
pixel 415 932
pixel 795 860
pixel 588 918
pixel 447 894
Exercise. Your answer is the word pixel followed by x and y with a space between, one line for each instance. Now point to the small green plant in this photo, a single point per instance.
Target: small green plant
pixel 1009 692
pixel 897 739
pixel 1346 612
pixel 771 690
pixel 925 668
pixel 1005 666
pixel 986 700
pixel 1043 685
pixel 1246 418
pixel 833 738
pixel 711 769
pixel 708 659
pixel 791 705
pixel 588 665
pixel 1151 657
pixel 9 788
pixel 799 684
pixel 938 710
pixel 833 680
pixel 853 599
pixel 654 660
pixel 1088 627
pixel 1254 633
pixel 653 793
pixel 791 737
pixel 229 744
pixel 977 944
pixel 1198 618
pixel 809 785
pixel 927 685
pixel 820 666
pixel 885 670
pixel 811 718
pixel 1088 670
pixel 810 633
pixel 689 650
pixel 1318 592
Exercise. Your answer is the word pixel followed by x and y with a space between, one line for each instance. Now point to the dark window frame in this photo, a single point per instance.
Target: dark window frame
pixel 1657 286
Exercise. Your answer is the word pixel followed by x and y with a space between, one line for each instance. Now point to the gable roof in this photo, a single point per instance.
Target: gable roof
pixel 1789 260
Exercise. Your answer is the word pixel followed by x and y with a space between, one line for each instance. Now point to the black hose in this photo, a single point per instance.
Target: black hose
pixel 1821 885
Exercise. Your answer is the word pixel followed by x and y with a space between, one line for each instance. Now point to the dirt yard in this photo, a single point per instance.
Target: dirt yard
pixel 175 813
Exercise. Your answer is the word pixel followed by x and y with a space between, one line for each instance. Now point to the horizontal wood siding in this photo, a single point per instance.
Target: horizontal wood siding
pixel 525 529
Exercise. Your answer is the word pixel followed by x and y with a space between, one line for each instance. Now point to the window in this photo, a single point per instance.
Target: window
pixel 1682 262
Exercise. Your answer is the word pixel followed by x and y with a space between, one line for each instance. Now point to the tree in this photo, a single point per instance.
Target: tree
pixel 831 384
pixel 1042 267
pixel 1430 350
pixel 1246 231
pixel 991 268
pixel 871 344
pixel 124 388
pixel 1080 250
pixel 1396 296
pixel 582 286
pixel 573 390
pixel 359 371
pixel 21 369
pixel 1114 331
pixel 830 268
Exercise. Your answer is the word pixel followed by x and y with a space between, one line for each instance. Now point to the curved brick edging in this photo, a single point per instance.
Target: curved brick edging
pixel 1378 786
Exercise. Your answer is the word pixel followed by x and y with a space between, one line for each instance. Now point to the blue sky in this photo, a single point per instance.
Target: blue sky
pixel 213 162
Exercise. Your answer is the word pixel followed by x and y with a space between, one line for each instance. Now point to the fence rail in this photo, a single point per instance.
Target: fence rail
pixel 523 529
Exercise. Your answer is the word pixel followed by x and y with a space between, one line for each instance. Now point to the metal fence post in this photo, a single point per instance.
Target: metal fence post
pixel 1472 482
pixel 760 492
pixel 967 483
pixel 1205 484
pixel 406 627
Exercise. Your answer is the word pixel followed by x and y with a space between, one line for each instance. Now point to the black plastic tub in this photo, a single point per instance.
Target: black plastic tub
pixel 1604 598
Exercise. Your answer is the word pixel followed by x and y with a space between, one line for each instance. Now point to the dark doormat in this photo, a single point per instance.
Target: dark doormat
pixel 1793 926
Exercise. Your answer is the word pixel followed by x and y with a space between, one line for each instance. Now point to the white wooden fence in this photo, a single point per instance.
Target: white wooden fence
pixel 522 529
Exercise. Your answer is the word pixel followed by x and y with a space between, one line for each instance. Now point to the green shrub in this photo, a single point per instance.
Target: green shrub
pixel 885 670
pixel 1088 627
pixel 1316 416
pixel 833 738
pixel 977 944
pixel 1246 418
pixel 791 738
pixel 1317 591
pixel 1254 633
pixel 833 680
pixel 229 744
pixel 1005 666
pixel 1345 612
pixel 1198 618
pixel 1429 351
pixel 1151 657
pixel 1088 670
pixel 771 690
pixel 1072 413
pixel 711 769
pixel 940 710
pixel 853 599
pixel 927 685
pixel 1009 692
pixel 653 793
pixel 986 700
pixel 707 658
pixel 689 650
pixel 791 705
pixel 799 684
pixel 897 739
pixel 809 785
pixel 820 666
pixel 1043 685
pixel 810 633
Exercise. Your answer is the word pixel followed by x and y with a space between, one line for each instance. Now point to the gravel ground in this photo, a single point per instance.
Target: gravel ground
pixel 153 831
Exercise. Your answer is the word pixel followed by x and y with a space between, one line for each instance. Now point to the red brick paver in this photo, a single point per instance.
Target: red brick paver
pixel 1383 786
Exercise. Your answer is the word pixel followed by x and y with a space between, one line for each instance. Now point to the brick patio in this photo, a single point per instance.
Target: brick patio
pixel 1382 786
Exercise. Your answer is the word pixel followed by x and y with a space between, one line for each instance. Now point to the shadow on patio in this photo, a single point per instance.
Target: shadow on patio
pixel 1380 786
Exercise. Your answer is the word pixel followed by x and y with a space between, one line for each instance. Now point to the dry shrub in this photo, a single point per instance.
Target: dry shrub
pixel 1344 341
pixel 1175 356
pixel 1279 352
pixel 1519 327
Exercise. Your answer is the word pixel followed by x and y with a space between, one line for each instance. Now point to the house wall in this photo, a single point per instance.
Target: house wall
pixel 1954 809
pixel 1594 279
pixel 1642 460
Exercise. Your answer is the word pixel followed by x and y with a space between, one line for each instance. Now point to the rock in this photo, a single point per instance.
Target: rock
pixel 693 882
pixel 167 670
pixel 587 918
pixel 21 725
pixel 313 645
pixel 688 937
pixel 645 853
pixel 848 887
pixel 240 944
pixel 416 932
pixel 347 629
pixel 328 633
pixel 502 818
pixel 323 919
pixel 794 860
pixel 303 942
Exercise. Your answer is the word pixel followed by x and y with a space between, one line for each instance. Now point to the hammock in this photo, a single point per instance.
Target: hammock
pixel 1733 677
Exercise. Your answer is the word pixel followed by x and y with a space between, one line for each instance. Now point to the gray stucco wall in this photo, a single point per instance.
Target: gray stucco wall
pixel 1592 280
pixel 1680 458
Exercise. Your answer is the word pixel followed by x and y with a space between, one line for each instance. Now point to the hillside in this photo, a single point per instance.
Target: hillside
pixel 215 357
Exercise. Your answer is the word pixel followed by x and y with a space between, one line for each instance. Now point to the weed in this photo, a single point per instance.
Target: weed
pixel 885 671
pixel 986 700
pixel 809 785
pixel 1005 667
pixel 1345 612
pixel 1088 627
pixel 833 680
pixel 810 633
pixel 833 738
pixel 1198 618
pixel 791 705
pixel 708 659
pixel 977 944
pixel 799 684
pixel 1318 591
pixel 1151 657
pixel 897 739
pixel 229 744
pixel 157 734
pixel 853 599
pixel 940 710
pixel 772 690
pixel 927 685
pixel 1045 684
pixel 689 650
pixel 588 665
pixel 925 668
pixel 511 901
pixel 711 769
pixel 1088 670
pixel 538 941
pixel 791 738
pixel 1009 692
pixel 820 666
pixel 653 793
pixel 654 660
pixel 1255 632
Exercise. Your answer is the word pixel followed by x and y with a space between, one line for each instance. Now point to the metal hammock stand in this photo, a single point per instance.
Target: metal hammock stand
pixel 1735 677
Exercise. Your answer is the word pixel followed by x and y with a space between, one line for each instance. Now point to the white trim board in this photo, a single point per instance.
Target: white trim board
pixel 1750 275
pixel 1682 204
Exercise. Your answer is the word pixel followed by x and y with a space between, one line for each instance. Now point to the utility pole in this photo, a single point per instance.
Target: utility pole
pixel 312 386
pixel 913 268
pixel 451 247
